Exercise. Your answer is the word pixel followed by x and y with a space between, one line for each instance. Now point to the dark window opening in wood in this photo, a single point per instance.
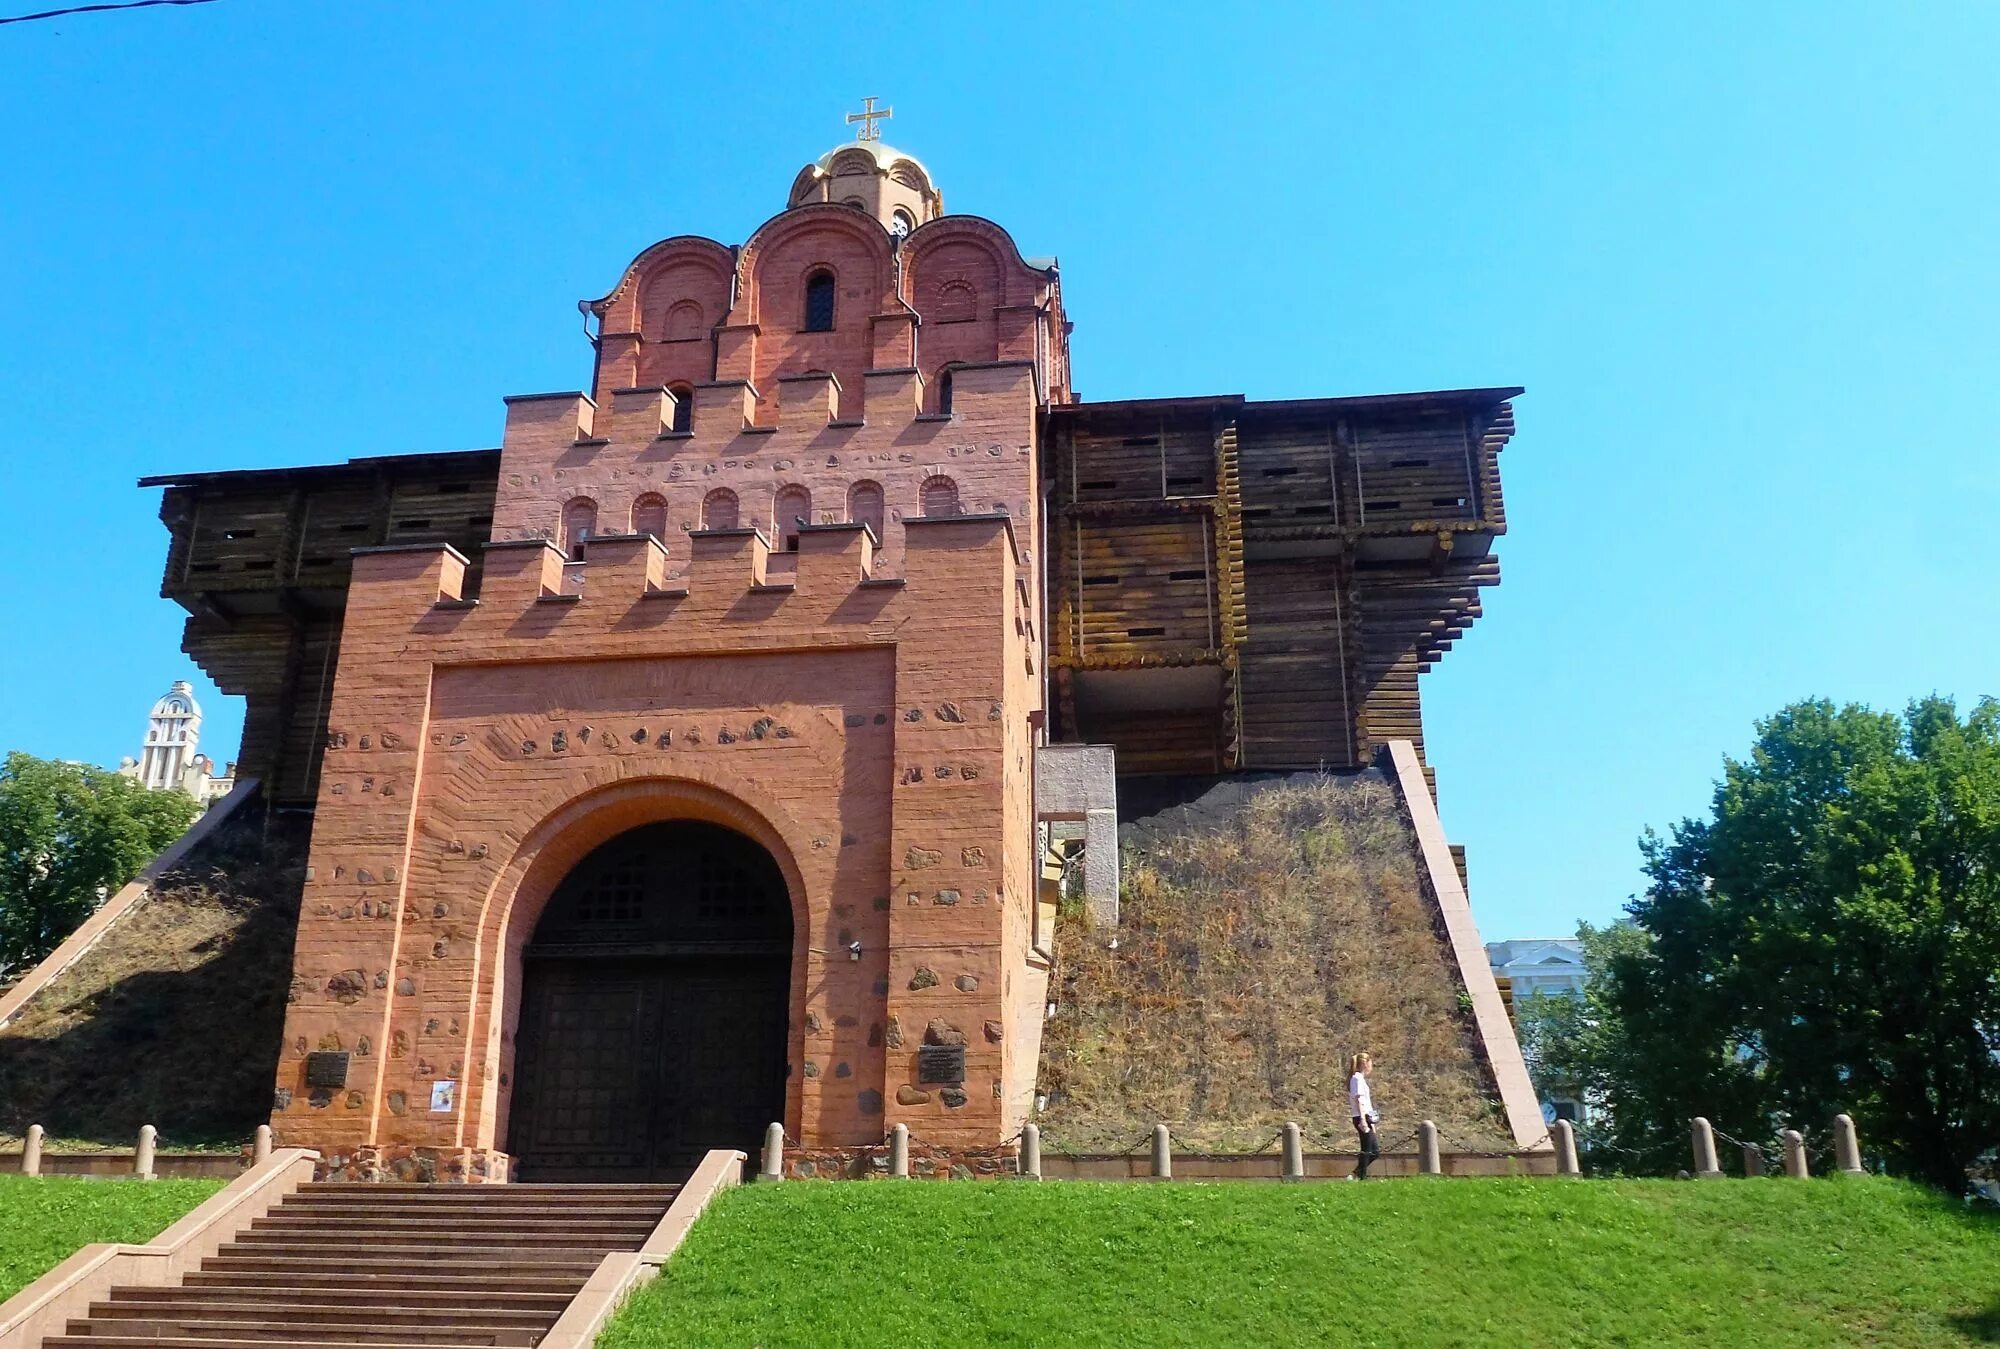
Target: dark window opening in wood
pixel 1145 632
pixel 1187 576
pixel 239 533
pixel 413 524
pixel 1409 463
pixel 819 303
pixel 1102 580
pixel 1193 480
pixel 360 527
pixel 1454 502
pixel 453 488
pixel 1101 485
pixel 1285 472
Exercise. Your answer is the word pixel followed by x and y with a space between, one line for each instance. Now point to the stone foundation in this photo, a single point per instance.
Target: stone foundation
pixel 405 1163
pixel 927 1162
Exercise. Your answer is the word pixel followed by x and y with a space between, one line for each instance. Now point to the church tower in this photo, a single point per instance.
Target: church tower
pixel 172 734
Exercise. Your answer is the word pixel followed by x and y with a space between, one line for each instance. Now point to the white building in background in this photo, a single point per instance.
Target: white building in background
pixel 1551 967
pixel 170 759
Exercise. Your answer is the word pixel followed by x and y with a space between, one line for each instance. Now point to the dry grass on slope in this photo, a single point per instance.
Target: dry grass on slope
pixel 1264 936
pixel 174 1017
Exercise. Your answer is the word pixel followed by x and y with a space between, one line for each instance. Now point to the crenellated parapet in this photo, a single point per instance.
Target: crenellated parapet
pixel 574 469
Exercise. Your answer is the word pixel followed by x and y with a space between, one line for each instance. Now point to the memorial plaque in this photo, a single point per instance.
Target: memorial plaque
pixel 326 1068
pixel 941 1063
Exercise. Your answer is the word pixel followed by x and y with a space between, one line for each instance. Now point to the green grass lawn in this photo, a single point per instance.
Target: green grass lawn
pixel 44 1221
pixel 1408 1262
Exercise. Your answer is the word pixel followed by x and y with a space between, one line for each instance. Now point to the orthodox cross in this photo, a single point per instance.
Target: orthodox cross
pixel 868 116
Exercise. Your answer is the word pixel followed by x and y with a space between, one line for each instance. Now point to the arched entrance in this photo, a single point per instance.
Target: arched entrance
pixel 653 1008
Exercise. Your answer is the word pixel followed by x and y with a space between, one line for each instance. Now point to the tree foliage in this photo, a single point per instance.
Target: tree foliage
pixel 1827 940
pixel 70 835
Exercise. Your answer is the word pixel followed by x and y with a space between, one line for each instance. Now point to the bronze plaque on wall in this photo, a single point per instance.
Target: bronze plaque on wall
pixel 326 1068
pixel 941 1063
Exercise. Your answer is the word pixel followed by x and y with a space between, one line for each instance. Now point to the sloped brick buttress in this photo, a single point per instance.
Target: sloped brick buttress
pixel 389 1266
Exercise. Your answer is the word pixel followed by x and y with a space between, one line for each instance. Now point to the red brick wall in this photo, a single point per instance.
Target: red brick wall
pixel 859 731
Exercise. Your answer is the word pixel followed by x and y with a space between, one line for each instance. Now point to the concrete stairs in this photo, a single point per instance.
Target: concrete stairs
pixel 388 1266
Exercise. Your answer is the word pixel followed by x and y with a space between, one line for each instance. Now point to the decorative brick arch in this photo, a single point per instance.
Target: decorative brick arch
pixel 721 510
pixel 549 852
pixel 649 515
pixel 862 236
pixel 939 496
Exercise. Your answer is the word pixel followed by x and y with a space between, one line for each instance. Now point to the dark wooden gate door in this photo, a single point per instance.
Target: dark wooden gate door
pixel 653 1010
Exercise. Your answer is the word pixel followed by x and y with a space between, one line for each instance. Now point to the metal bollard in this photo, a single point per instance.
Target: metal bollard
pixel 1753 1160
pixel 1846 1146
pixel 1295 1153
pixel 260 1151
pixel 31 1152
pixel 1163 1153
pixel 1428 1160
pixel 1031 1152
pixel 1706 1167
pixel 899 1151
pixel 773 1167
pixel 142 1158
pixel 1565 1135
pixel 1795 1155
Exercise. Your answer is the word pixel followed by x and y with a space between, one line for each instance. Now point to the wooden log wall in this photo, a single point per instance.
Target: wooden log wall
pixel 261 561
pixel 1341 551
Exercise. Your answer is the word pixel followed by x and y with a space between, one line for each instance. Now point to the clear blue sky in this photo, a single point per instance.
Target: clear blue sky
pixel 1743 258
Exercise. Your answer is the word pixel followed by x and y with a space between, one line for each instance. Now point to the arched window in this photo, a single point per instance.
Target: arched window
pixel 685 321
pixel 792 508
pixel 940 496
pixel 683 407
pixel 579 522
pixel 649 516
pixel 718 509
pixel 957 302
pixel 855 204
pixel 819 302
pixel 864 506
pixel 944 391
pixel 900 223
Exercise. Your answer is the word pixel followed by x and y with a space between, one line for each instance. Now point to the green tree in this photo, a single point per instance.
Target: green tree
pixel 70 835
pixel 1827 940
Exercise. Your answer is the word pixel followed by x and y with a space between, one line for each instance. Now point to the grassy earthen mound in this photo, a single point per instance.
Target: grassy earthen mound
pixel 174 1017
pixel 1267 931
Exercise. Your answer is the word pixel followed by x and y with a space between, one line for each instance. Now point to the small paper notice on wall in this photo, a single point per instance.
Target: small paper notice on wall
pixel 442 1096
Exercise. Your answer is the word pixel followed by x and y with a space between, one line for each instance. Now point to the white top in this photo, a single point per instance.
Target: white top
pixel 1359 1102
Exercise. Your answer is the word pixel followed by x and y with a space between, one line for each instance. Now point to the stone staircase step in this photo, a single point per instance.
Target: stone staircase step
pixel 97 1340
pixel 347 1227
pixel 421 1243
pixel 295 1264
pixel 466 1311
pixel 420 1292
pixel 173 1330
pixel 561 1282
pixel 389 1266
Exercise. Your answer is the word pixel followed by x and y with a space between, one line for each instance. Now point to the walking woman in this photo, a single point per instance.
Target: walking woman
pixel 1362 1106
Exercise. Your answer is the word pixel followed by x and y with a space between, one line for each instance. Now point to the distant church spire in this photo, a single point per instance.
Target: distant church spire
pixel 171 737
